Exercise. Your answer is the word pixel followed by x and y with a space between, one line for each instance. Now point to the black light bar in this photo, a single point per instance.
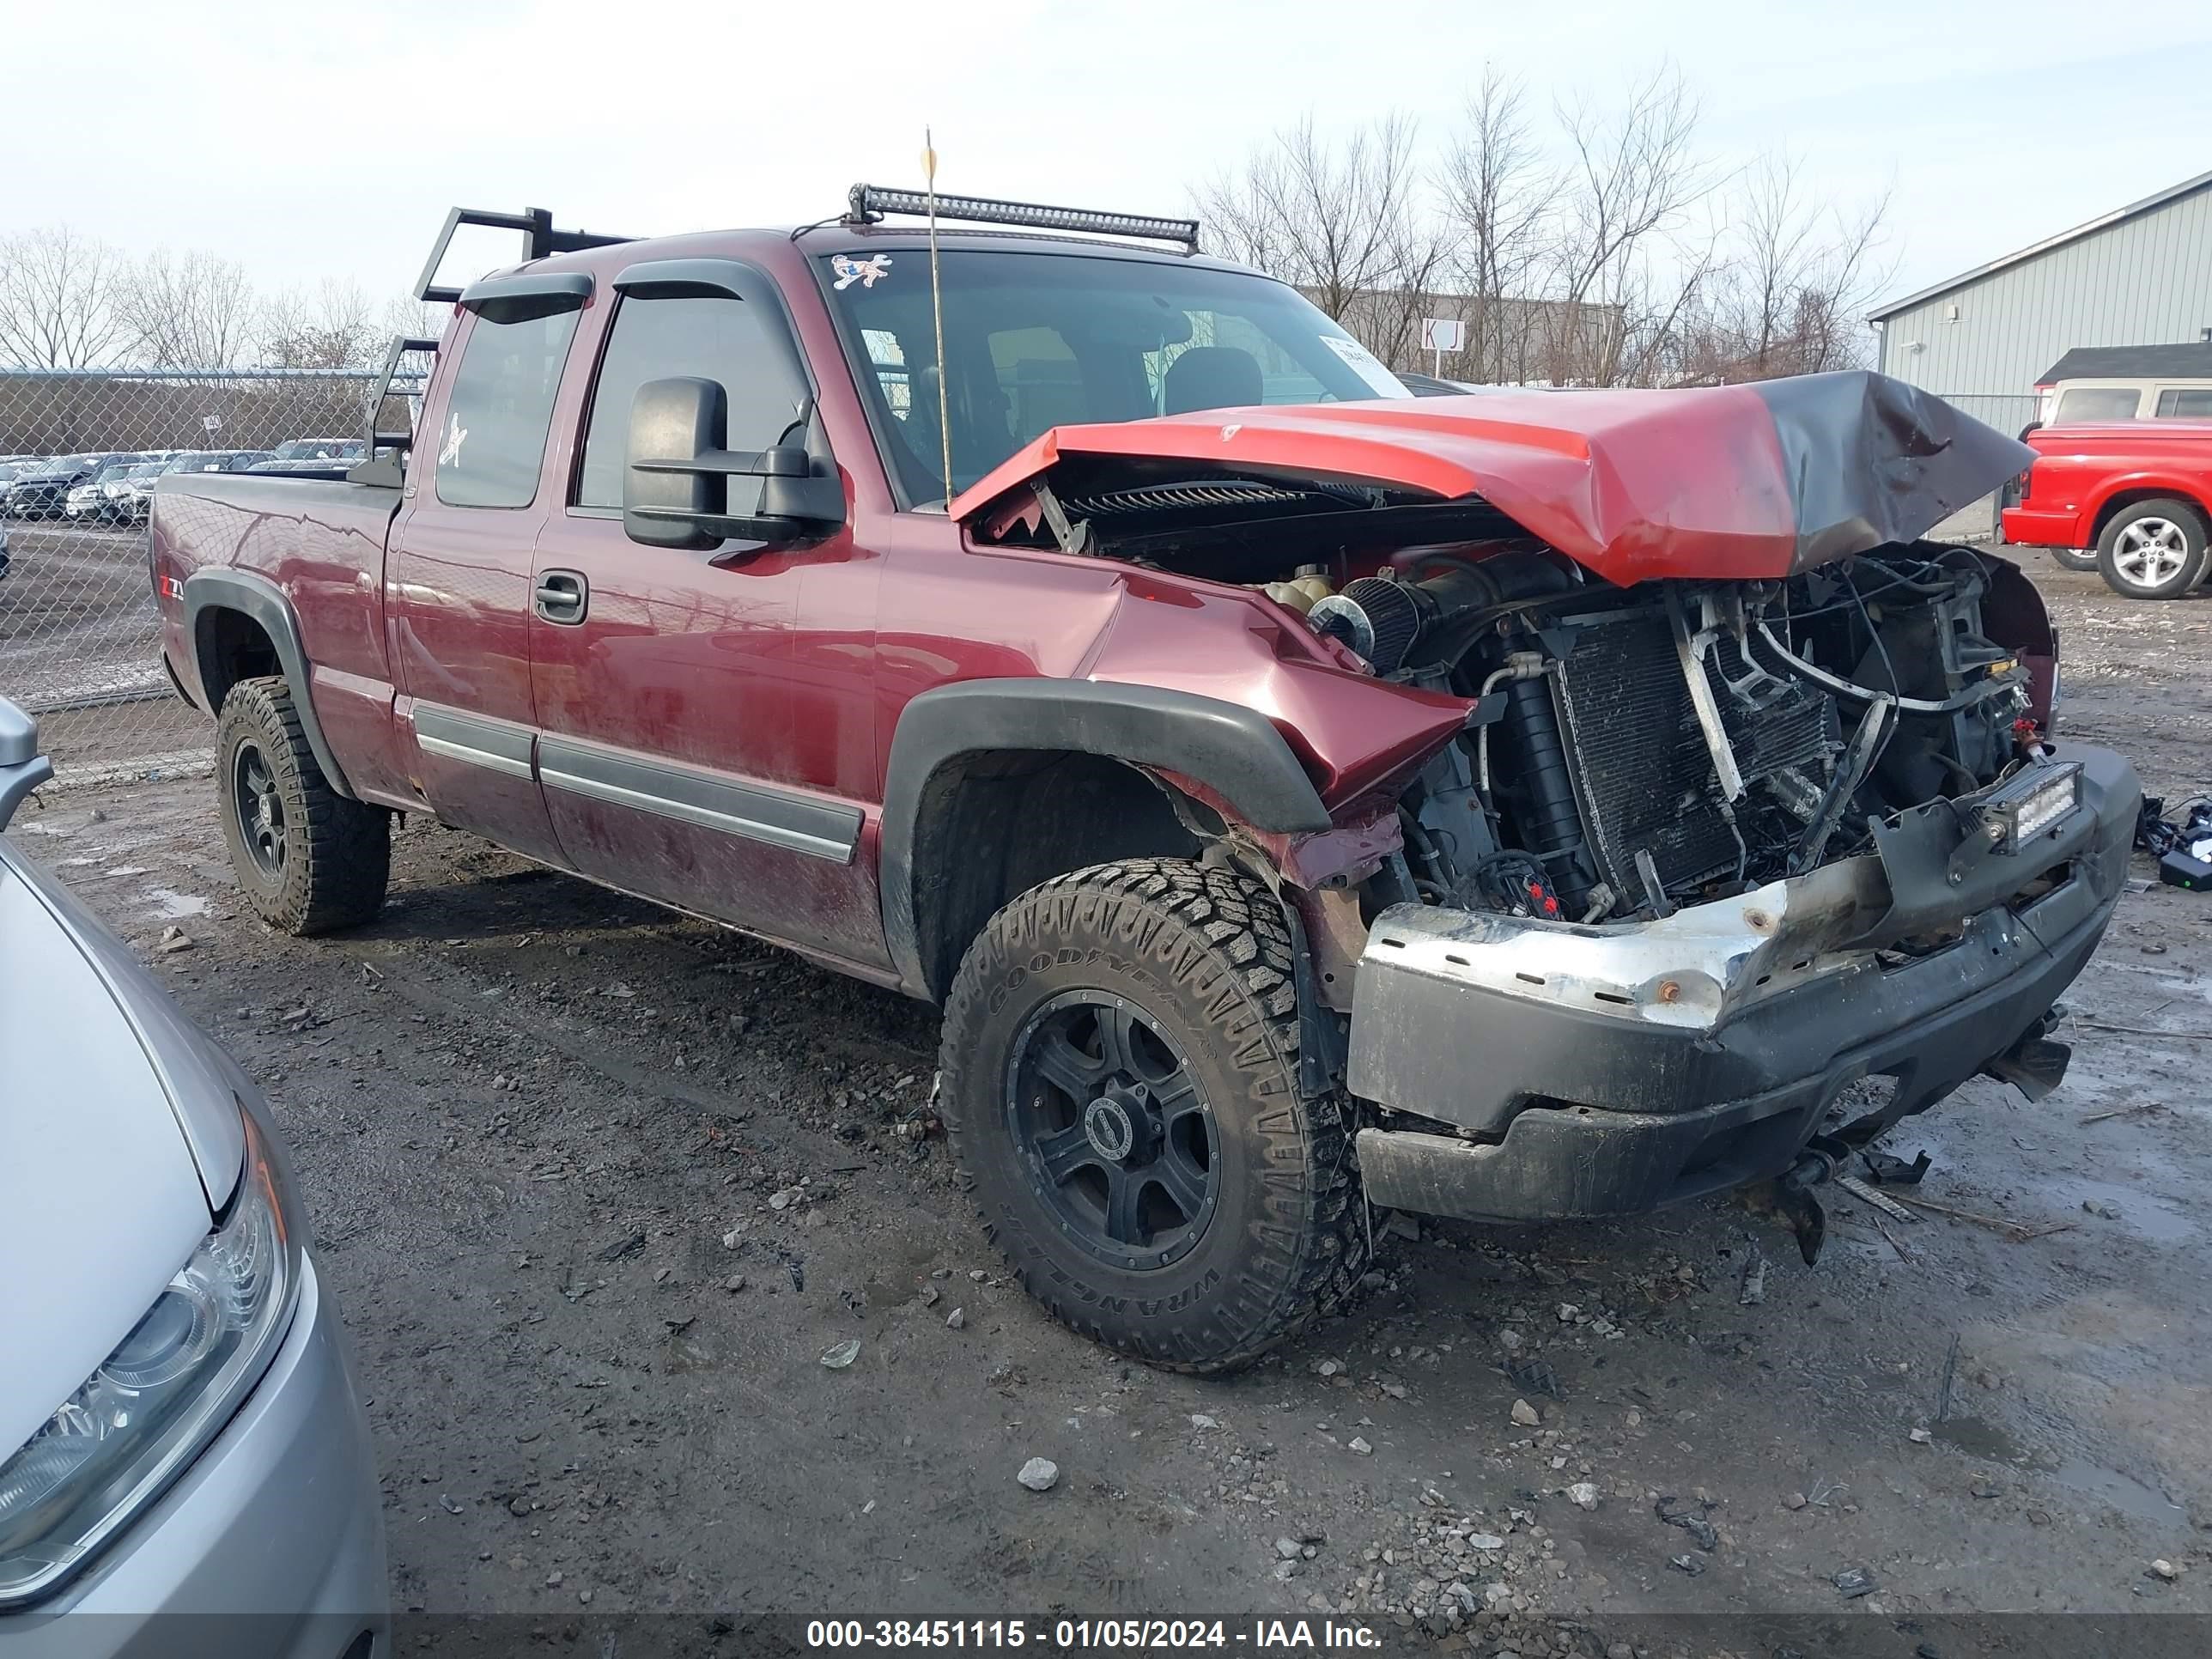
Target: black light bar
pixel 867 204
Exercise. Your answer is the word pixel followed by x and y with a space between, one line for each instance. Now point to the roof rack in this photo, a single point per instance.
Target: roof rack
pixel 539 237
pixel 867 204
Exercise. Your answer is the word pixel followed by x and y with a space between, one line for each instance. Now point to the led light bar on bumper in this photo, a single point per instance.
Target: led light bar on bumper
pixel 113 1446
pixel 869 202
pixel 2024 806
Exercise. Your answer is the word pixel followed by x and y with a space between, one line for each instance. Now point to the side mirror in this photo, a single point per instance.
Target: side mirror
pixel 22 768
pixel 676 487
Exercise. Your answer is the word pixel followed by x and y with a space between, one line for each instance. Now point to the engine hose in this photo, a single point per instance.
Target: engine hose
pixel 1980 692
pixel 1552 829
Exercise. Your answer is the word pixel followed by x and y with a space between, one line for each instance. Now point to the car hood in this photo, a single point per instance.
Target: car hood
pixel 1738 482
pixel 121 1139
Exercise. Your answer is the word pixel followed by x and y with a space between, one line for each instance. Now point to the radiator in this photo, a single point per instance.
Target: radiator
pixel 1642 772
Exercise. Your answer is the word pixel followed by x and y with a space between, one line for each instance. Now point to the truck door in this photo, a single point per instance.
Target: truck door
pixel 460 574
pixel 707 719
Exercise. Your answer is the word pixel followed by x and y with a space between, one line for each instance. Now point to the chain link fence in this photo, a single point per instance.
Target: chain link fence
pixel 79 638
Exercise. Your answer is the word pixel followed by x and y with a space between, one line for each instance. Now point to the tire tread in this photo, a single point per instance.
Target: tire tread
pixel 1230 918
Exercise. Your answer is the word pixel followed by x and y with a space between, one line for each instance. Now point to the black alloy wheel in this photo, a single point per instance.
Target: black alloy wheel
pixel 1115 1129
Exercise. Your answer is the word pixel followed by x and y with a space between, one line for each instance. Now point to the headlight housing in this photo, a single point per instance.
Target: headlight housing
pixel 113 1446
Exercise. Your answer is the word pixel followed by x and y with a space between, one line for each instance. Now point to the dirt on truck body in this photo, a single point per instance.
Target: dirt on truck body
pixel 1298 797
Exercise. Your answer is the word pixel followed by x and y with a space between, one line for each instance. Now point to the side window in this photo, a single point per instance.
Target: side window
pixel 2185 403
pixel 711 337
pixel 2099 403
pixel 500 410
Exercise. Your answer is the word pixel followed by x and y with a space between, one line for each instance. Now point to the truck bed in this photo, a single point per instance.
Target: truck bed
pixel 319 544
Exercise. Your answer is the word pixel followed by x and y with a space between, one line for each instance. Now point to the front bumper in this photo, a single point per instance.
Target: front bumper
pixel 271 1545
pixel 1604 1071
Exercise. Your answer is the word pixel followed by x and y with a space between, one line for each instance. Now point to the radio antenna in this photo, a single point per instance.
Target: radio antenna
pixel 937 311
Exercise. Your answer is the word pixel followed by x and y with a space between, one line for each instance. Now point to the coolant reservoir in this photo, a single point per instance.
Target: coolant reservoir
pixel 1303 592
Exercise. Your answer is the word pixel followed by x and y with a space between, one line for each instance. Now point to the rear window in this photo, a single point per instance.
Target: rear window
pixel 2185 403
pixel 500 410
pixel 2097 403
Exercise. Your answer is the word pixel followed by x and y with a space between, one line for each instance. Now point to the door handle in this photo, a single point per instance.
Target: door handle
pixel 562 596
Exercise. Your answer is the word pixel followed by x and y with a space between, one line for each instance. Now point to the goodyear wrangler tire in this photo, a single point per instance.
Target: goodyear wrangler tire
pixel 1120 1078
pixel 308 860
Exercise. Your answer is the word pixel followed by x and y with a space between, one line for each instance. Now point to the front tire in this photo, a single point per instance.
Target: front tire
pixel 1121 1080
pixel 2155 549
pixel 2074 558
pixel 308 860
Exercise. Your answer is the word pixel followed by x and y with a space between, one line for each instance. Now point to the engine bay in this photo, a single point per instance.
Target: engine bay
pixel 1632 749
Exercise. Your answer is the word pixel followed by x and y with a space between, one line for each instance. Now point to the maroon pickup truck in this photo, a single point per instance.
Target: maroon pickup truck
pixel 1298 796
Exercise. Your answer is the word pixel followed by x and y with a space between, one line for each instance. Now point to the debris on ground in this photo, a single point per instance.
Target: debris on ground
pixel 1583 1495
pixel 843 1354
pixel 1853 1583
pixel 1866 1195
pixel 1536 1376
pixel 1525 1414
pixel 1039 1475
pixel 174 940
pixel 956 1320
pixel 1754 1290
pixel 1708 1538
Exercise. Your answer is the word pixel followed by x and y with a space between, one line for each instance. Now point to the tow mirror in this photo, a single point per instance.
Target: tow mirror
pixel 675 489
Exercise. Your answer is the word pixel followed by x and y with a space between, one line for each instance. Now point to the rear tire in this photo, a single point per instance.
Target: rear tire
pixel 1195 1209
pixel 2155 549
pixel 308 860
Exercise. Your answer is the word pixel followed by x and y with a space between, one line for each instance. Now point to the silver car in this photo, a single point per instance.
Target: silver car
pixel 185 1467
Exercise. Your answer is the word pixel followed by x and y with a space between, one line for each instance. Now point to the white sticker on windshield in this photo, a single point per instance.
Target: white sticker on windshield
pixel 1364 363
pixel 864 271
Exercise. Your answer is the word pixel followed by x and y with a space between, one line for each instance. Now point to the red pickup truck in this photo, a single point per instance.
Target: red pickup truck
pixel 2138 494
pixel 1297 795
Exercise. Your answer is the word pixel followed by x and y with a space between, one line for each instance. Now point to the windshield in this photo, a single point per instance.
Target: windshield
pixel 148 470
pixel 1040 340
pixel 63 467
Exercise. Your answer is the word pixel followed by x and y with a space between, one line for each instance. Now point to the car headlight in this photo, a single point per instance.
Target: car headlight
pixel 113 1446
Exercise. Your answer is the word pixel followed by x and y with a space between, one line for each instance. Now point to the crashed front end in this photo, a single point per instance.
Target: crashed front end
pixel 1754 796
pixel 1536 1069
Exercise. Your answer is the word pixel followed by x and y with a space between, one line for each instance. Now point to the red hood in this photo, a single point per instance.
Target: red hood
pixel 1725 482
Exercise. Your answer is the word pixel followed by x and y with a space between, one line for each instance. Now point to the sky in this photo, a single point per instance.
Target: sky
pixel 307 142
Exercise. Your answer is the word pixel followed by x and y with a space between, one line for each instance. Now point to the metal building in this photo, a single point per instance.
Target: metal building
pixel 2141 275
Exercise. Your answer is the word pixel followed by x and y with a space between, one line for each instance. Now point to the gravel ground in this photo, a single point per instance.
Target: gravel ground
pixel 599 1186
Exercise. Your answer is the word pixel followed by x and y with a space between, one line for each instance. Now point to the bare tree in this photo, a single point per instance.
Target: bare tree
pixel 1340 219
pixel 61 301
pixel 1498 193
pixel 327 327
pixel 1794 277
pixel 196 310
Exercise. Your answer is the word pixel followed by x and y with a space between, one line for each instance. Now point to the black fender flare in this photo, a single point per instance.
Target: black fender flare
pixel 1237 751
pixel 258 598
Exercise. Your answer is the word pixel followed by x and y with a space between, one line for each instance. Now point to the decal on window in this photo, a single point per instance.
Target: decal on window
pixel 1364 363
pixel 456 434
pixel 864 271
